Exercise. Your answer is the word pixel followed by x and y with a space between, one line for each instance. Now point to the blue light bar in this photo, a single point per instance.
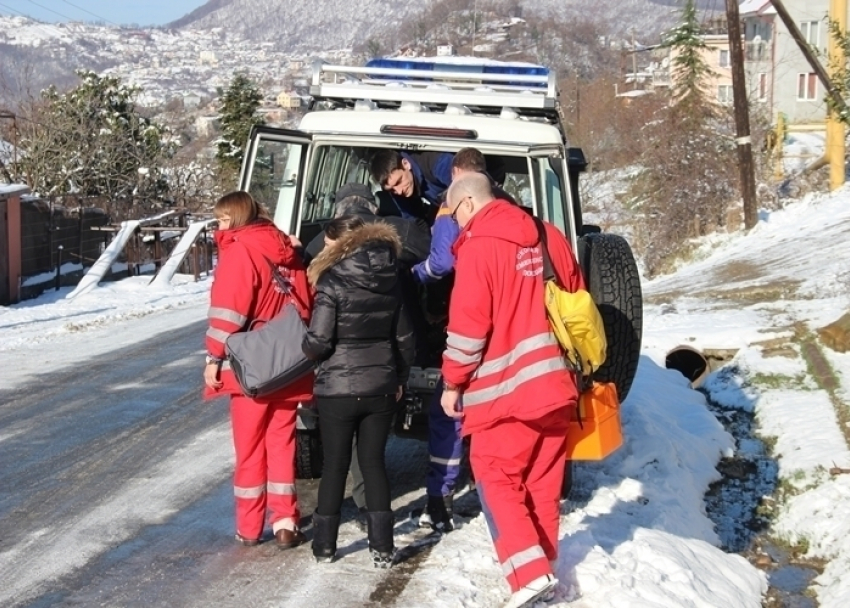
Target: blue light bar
pixel 466 65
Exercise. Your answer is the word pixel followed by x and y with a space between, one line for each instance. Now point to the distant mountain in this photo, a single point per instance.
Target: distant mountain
pixel 333 24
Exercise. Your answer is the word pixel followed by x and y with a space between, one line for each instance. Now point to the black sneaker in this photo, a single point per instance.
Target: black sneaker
pixel 438 513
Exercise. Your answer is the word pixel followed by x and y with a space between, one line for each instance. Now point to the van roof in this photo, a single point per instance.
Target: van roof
pixel 511 131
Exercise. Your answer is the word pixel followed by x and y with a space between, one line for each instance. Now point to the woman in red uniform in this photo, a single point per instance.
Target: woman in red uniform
pixel 245 292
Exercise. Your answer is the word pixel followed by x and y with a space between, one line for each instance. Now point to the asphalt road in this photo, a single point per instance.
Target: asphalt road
pixel 115 491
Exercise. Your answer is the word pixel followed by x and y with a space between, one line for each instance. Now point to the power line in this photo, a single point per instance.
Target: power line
pixel 51 10
pixel 91 13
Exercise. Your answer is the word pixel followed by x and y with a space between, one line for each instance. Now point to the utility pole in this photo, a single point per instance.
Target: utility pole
pixel 835 131
pixel 742 114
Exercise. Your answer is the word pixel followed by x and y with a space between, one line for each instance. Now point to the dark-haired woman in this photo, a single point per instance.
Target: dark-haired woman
pixel 244 293
pixel 364 342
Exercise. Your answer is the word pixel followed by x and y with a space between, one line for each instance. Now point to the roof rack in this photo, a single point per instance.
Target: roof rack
pixel 447 85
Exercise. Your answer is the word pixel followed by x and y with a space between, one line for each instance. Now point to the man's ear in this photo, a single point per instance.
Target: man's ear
pixel 405 164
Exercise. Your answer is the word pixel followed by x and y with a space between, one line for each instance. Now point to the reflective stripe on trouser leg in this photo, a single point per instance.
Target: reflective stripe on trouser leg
pixel 445 447
pixel 522 536
pixel 280 450
pixel 248 419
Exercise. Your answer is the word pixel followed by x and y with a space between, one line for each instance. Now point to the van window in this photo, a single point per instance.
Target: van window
pixel 552 192
pixel 274 178
pixel 332 167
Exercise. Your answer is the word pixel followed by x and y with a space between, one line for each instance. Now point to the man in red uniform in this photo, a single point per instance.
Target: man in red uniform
pixel 502 357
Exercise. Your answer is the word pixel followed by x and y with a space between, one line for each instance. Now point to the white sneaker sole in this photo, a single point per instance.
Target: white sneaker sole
pixel 535 591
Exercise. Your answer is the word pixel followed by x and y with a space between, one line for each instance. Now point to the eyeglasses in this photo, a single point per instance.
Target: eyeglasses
pixel 454 212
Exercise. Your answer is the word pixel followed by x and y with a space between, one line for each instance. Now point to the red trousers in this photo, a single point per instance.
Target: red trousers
pixel 519 469
pixel 264 439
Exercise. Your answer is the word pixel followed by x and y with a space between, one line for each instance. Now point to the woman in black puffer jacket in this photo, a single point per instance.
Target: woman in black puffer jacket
pixel 364 342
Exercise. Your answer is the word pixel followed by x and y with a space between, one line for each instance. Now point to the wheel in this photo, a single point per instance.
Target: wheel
pixel 308 454
pixel 614 282
pixel 567 486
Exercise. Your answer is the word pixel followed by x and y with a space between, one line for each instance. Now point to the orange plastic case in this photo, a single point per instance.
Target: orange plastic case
pixel 595 430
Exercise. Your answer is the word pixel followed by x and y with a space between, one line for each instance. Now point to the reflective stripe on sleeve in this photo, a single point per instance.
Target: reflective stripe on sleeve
pixel 526 374
pixel 469 345
pixel 226 314
pixel 461 357
pixel 428 269
pixel 219 335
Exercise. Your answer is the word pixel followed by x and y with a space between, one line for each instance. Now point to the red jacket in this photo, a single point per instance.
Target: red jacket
pixel 244 290
pixel 500 349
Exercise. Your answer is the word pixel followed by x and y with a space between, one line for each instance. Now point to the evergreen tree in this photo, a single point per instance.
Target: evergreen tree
pixel 238 107
pixel 690 70
pixel 92 141
pixel 688 175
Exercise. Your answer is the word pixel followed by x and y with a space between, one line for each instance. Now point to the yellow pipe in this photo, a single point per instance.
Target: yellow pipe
pixel 834 127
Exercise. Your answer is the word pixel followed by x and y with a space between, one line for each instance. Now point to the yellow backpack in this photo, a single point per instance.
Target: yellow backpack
pixel 574 318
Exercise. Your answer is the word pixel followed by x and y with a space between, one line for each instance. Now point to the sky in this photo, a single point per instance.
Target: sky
pixel 638 535
pixel 111 12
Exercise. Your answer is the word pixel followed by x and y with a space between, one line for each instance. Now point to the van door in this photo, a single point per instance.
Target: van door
pixel 272 172
pixel 550 181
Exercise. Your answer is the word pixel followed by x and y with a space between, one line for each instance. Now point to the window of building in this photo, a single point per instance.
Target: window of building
pixel 807 86
pixel 724 93
pixel 762 79
pixel 811 32
pixel 723 60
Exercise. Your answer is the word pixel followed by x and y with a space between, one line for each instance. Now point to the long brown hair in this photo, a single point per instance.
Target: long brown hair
pixel 241 207
pixel 342 225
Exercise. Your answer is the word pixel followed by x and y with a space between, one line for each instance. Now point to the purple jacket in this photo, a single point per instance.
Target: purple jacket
pixel 440 261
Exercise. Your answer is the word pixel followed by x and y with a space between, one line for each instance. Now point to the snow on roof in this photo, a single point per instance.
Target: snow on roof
pixel 748 7
pixel 8 189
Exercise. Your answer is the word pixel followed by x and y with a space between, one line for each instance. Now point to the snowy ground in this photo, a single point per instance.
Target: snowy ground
pixel 639 535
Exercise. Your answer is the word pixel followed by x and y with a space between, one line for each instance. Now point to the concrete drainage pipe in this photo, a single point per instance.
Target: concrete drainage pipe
pixel 690 362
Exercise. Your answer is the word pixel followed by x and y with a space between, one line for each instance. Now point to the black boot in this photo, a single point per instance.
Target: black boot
pixel 381 538
pixel 325 530
pixel 439 509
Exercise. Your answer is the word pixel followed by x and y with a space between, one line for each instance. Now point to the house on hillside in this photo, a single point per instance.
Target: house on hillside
pixel 288 100
pixel 716 56
pixel 777 72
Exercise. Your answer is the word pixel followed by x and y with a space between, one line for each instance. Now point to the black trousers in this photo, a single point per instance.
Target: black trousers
pixel 341 419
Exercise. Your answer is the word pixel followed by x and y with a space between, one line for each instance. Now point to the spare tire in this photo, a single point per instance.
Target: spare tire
pixel 614 282
pixel 309 459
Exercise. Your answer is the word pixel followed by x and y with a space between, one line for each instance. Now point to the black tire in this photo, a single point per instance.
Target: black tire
pixel 567 486
pixel 309 459
pixel 614 282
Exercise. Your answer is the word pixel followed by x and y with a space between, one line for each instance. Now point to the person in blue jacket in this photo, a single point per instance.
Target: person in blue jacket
pixel 445 445
pixel 415 180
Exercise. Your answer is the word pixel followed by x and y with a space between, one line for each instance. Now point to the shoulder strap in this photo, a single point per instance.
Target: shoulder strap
pixel 548 270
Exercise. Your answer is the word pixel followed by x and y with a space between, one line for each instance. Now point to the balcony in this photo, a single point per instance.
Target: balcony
pixel 757 50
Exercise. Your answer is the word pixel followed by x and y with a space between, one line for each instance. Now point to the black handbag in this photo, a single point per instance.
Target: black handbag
pixel 269 358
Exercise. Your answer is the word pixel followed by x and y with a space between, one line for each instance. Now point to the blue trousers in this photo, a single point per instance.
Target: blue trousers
pixel 445 449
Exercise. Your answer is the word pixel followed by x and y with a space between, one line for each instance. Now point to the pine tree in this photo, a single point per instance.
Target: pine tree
pixel 238 107
pixel 688 177
pixel 690 70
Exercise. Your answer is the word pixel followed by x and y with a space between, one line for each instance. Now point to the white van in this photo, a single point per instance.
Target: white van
pixel 508 111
